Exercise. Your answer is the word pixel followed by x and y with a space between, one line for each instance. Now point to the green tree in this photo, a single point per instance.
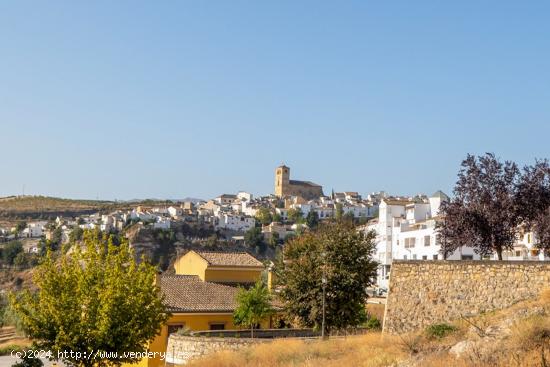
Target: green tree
pixel 21 260
pixel 277 217
pixel 253 306
pixel 341 255
pixel 253 237
pixel 19 227
pixel 339 211
pixel 295 215
pixel 274 239
pixel 11 250
pixel 98 299
pixel 312 219
pixel 264 216
pixel 76 234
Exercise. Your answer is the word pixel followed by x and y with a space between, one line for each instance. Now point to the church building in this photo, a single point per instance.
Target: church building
pixel 284 186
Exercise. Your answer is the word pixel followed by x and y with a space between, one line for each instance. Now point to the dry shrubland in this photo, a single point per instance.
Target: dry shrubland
pixel 518 336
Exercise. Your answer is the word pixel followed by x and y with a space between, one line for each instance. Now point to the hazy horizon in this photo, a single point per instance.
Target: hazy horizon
pixel 124 100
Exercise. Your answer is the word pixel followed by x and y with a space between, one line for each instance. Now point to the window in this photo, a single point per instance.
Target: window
pixel 467 257
pixel 397 242
pixel 424 257
pixel 529 238
pixel 174 328
pixel 414 256
pixel 404 257
pixel 410 242
pixel 217 326
pixel 435 257
pixel 426 240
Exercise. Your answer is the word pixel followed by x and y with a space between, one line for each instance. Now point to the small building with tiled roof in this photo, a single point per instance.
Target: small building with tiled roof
pixel 220 267
pixel 202 294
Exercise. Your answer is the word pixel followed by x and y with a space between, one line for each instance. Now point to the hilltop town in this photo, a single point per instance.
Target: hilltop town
pixel 405 227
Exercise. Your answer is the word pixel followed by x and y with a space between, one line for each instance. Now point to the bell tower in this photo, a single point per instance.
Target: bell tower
pixel 282 178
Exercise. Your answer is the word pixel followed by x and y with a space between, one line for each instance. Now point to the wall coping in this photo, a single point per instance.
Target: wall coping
pixel 473 262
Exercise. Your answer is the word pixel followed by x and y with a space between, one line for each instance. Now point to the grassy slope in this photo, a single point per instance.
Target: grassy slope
pixel 516 348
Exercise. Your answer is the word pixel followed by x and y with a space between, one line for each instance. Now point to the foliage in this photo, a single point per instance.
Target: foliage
pixel 276 217
pixel 19 227
pixel 339 211
pixel 21 260
pixel 8 349
pixel 97 299
pixel 28 360
pixel 295 215
pixel 253 306
pixel 483 212
pixel 439 331
pixel 10 252
pixel 264 216
pixel 253 237
pixel 312 219
pixel 344 255
pixel 76 234
pixel 373 323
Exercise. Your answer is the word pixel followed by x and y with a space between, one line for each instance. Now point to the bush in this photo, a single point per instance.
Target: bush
pixel 28 360
pixel 439 331
pixel 373 323
pixel 6 351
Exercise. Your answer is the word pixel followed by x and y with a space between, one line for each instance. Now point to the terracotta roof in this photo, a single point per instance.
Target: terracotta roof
pixel 187 293
pixel 230 259
pixel 303 183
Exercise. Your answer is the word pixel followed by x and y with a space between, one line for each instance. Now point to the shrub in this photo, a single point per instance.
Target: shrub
pixel 439 331
pixel 373 323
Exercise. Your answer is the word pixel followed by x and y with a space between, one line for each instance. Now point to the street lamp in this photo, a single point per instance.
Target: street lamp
pixel 324 286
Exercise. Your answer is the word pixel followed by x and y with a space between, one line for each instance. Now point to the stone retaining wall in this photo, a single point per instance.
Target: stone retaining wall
pixel 181 349
pixel 427 292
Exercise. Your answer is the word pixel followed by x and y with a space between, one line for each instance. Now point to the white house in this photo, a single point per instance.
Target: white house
pixel 233 222
pixel 405 230
pixel 175 211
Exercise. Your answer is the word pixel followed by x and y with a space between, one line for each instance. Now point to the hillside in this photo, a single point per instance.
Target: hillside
pixel 15 208
pixel 518 336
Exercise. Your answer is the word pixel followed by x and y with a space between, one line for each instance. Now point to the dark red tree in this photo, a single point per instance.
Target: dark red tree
pixel 483 212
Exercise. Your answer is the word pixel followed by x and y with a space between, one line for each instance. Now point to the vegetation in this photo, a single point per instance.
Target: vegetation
pixel 295 215
pixel 491 200
pixel 338 254
pixel 11 251
pixel 97 299
pixel 253 306
pixel 372 350
pixel 439 331
pixel 253 237
pixel 312 219
pixel 264 216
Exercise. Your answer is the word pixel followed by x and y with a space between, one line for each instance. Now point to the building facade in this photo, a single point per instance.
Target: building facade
pixel 284 186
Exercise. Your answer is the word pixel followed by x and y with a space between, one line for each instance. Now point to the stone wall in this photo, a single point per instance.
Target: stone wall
pixel 422 293
pixel 181 349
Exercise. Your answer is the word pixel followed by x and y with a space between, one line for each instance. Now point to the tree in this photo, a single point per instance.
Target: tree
pixel 338 253
pixel 295 215
pixel 264 216
pixel 483 212
pixel 253 306
pixel 339 211
pixel 274 239
pixel 277 217
pixel 76 234
pixel 19 227
pixel 11 250
pixel 98 299
pixel 253 237
pixel 533 202
pixel 312 219
pixel 541 228
pixel 21 260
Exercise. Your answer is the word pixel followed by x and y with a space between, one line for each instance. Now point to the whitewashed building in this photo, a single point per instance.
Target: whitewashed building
pixel 233 222
pixel 405 230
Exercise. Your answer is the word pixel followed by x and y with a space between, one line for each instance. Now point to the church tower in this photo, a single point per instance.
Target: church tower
pixel 282 180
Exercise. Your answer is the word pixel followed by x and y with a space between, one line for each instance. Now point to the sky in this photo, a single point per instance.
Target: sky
pixel 173 99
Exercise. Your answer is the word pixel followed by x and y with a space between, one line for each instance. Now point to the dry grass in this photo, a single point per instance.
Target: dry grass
pixel 376 310
pixel 527 346
pixel 371 350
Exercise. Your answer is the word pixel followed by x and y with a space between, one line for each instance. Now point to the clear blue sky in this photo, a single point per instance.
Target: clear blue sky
pixel 130 99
